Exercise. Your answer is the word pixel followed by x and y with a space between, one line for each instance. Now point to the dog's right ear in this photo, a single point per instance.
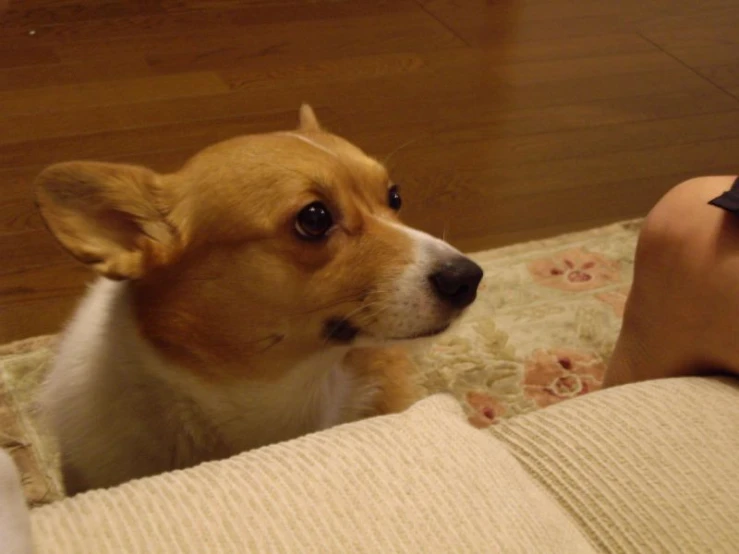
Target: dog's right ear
pixel 107 216
pixel 308 119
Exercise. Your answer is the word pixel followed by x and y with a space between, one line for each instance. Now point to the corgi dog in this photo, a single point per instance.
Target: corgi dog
pixel 261 292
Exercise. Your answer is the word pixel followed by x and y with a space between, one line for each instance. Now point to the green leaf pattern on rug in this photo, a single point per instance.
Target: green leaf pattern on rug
pixel 543 327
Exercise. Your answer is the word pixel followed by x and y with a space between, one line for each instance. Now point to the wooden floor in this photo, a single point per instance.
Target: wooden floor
pixel 517 119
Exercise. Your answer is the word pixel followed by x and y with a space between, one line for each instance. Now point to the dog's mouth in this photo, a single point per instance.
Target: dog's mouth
pixel 340 330
pixel 343 331
pixel 425 334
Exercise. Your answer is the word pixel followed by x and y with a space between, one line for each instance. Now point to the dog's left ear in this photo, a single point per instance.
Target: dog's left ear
pixel 308 119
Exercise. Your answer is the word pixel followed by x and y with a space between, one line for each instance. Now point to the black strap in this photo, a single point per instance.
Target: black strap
pixel 729 200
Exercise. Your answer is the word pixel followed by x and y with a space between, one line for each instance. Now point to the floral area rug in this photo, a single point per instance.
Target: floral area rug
pixel 542 330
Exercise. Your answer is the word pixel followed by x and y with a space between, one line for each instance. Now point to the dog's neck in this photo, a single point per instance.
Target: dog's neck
pixel 307 397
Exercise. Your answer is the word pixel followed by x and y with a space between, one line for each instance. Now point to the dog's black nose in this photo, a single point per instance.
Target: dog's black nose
pixel 456 282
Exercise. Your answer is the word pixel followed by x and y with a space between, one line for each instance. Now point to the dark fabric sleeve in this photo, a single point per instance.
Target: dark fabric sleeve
pixel 729 200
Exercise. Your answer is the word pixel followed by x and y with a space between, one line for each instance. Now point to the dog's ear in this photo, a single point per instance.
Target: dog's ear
pixel 308 119
pixel 107 216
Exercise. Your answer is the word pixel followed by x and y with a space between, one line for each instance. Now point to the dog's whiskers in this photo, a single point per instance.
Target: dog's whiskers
pixel 398 149
pixel 356 297
pixel 373 315
pixel 326 341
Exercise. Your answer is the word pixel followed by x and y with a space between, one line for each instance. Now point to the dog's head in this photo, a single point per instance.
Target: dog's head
pixel 267 245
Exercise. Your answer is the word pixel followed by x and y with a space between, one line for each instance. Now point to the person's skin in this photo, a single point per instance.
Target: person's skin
pixel 682 314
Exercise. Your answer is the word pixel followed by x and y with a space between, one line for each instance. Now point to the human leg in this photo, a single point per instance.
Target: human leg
pixel 682 314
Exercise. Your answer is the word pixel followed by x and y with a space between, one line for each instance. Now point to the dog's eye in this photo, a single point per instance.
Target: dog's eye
pixel 393 198
pixel 313 221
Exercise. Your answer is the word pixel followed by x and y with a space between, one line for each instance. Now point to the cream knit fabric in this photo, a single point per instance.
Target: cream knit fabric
pixel 642 468
pixel 646 468
pixel 420 482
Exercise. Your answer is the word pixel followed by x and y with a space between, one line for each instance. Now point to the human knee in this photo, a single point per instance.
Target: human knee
pixel 682 221
pixel 666 227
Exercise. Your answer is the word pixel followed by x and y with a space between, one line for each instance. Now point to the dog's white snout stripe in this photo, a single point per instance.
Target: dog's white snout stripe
pixel 428 245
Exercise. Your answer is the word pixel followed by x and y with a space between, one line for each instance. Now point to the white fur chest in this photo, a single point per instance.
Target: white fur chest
pixel 312 396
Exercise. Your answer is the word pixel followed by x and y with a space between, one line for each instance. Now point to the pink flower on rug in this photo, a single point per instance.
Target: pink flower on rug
pixel 574 270
pixel 486 409
pixel 551 376
pixel 616 299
